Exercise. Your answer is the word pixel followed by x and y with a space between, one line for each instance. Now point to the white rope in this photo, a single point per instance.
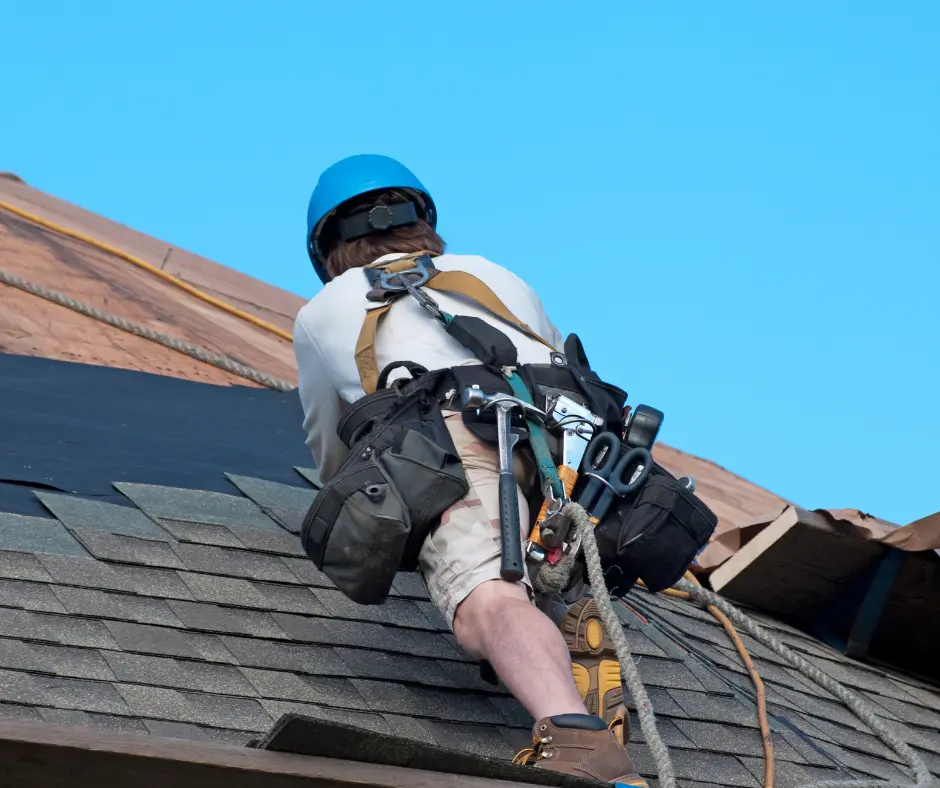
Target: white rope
pixel 614 630
pixel 856 705
pixel 193 351
pixel 555 578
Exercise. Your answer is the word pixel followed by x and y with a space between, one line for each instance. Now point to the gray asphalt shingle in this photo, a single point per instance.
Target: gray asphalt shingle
pixel 56 660
pixel 205 621
pixel 315 660
pixel 222 590
pixel 127 549
pixel 696 765
pixel 22 566
pixel 401 612
pixel 163 641
pixel 228 620
pixel 426 702
pixel 312 475
pixel 197 506
pixel 108 722
pixel 67 630
pixel 323 690
pixel 361 719
pixel 14 711
pixel 77 512
pixel 786 775
pixel 223 711
pixel 29 596
pixel 394 667
pixel 282 543
pixel 180 674
pixel 410 584
pixel 286 504
pixel 714 708
pixel 77 694
pixel 290 599
pixel 90 573
pixel 232 563
pixel 200 533
pixel 667 673
pixel 124 607
pixel 307 573
pixel 37 535
pixel 486 740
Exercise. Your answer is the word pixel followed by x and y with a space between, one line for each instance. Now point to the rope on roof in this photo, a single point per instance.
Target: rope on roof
pixel 864 712
pixel 193 351
pixel 173 280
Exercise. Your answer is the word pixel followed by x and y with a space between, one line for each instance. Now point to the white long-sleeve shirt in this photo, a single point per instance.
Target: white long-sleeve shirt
pixel 327 328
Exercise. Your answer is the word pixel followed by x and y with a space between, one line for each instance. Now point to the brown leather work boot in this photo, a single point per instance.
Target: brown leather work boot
pixel 594 662
pixel 584 746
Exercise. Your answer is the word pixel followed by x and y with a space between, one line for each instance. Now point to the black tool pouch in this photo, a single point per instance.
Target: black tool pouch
pixel 653 534
pixel 370 520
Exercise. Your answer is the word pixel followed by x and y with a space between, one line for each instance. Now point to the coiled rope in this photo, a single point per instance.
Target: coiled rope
pixel 701 596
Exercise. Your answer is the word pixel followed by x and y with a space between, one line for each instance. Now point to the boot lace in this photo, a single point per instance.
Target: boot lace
pixel 529 754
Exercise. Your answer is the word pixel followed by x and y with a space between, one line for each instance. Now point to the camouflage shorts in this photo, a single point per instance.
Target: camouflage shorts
pixel 464 550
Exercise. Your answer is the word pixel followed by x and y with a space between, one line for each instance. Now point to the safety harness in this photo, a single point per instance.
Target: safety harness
pixel 410 276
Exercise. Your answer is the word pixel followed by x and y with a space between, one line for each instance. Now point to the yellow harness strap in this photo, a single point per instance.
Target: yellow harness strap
pixel 455 282
pixel 365 348
pixel 467 285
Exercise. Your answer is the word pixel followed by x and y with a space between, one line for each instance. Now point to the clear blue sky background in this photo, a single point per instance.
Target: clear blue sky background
pixel 735 205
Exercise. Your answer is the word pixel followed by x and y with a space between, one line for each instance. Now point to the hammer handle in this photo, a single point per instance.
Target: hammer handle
pixel 511 567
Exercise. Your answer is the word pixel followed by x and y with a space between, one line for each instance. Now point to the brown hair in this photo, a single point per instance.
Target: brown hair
pixel 359 252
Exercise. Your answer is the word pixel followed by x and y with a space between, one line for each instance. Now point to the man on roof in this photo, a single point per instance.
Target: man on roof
pixel 366 212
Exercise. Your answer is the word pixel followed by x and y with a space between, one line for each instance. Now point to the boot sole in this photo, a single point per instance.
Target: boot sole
pixel 594 664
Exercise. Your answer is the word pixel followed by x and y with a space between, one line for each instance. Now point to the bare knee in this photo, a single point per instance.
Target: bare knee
pixel 478 613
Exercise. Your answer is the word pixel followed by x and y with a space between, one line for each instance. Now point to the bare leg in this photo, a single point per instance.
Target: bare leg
pixel 497 622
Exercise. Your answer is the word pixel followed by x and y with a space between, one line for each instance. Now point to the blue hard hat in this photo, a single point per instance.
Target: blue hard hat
pixel 353 177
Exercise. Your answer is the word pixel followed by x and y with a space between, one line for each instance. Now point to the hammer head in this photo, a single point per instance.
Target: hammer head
pixel 475 399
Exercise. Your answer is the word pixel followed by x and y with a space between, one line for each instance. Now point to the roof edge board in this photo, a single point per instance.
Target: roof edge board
pixel 32 752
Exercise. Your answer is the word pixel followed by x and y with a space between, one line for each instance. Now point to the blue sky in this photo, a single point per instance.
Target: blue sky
pixel 735 206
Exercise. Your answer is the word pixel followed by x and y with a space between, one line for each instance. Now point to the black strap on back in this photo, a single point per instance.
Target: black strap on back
pixel 377 219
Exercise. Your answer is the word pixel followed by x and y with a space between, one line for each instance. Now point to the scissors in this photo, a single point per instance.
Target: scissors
pixel 611 475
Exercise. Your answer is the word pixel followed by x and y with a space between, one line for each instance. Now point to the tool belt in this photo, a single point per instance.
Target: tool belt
pixel 403 471
pixel 370 520
pixel 652 534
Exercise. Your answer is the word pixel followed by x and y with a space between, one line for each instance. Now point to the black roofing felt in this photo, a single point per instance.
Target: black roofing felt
pixel 78 428
pixel 189 610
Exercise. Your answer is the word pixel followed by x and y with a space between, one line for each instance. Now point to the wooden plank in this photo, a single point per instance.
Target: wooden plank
pixel 62 756
pixel 816 573
pixel 795 567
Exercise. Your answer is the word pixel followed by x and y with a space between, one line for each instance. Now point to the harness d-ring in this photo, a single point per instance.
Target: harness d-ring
pixel 386 278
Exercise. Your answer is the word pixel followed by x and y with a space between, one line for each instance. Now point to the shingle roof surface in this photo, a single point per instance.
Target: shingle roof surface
pixel 194 613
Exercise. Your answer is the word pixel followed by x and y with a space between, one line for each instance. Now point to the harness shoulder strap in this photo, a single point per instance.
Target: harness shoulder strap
pixel 456 282
pixel 469 286
pixel 365 348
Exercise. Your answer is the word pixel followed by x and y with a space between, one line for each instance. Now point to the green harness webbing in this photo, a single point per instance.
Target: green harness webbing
pixel 548 473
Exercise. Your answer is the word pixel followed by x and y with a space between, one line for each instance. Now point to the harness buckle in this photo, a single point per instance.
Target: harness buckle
pixel 427 303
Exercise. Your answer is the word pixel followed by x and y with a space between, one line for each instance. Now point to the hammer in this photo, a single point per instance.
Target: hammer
pixel 512 566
